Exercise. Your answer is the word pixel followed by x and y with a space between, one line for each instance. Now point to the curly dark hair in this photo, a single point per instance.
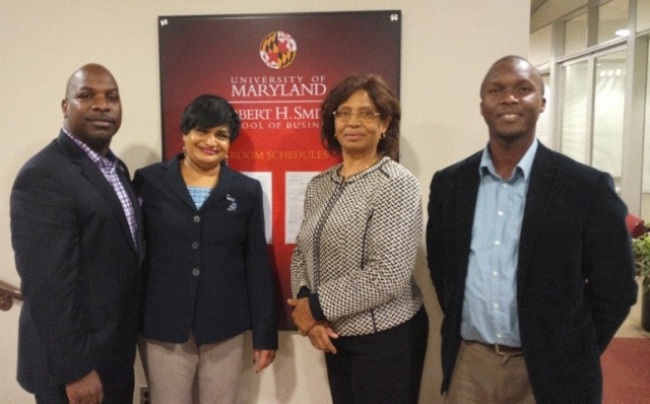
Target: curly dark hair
pixel 207 111
pixel 385 101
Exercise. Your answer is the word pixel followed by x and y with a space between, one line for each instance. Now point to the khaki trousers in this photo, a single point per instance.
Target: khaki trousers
pixel 172 369
pixel 483 376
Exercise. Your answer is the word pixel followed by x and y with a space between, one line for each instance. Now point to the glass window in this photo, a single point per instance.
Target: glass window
pixel 645 184
pixel 575 34
pixel 573 134
pixel 592 111
pixel 612 20
pixel 609 102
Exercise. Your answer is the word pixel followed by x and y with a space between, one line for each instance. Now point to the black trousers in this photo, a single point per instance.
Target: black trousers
pixel 385 367
pixel 119 392
pixel 61 398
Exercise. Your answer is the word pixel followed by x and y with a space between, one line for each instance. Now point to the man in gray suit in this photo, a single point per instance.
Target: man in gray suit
pixel 76 233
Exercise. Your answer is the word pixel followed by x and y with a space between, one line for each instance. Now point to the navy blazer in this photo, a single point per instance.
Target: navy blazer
pixel 575 274
pixel 206 270
pixel 79 270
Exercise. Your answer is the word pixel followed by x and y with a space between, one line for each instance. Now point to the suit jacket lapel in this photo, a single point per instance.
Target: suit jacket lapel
pixel 543 179
pixel 466 200
pixel 97 179
pixel 224 186
pixel 174 180
pixel 125 177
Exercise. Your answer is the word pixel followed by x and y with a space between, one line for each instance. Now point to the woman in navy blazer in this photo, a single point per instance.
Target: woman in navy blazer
pixel 207 274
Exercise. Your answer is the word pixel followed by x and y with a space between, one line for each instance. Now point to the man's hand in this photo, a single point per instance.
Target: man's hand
pixel 87 390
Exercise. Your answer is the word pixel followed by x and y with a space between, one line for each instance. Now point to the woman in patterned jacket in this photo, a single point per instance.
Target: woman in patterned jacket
pixel 352 269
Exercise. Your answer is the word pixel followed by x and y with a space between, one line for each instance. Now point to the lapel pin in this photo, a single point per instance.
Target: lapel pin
pixel 233 203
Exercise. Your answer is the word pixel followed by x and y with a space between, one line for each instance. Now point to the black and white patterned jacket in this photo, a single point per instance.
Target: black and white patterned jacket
pixel 357 247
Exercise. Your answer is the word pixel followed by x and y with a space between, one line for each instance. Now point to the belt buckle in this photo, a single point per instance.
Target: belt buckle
pixel 498 350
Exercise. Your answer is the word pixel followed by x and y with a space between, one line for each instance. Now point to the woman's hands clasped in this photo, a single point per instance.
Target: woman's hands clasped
pixel 321 336
pixel 320 333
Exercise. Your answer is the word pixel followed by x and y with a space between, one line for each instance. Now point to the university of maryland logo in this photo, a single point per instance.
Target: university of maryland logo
pixel 278 49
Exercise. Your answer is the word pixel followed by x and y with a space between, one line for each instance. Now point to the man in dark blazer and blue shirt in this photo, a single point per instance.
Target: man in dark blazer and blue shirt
pixel 530 257
pixel 76 233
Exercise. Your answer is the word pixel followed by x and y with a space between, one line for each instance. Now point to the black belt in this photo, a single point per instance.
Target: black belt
pixel 498 349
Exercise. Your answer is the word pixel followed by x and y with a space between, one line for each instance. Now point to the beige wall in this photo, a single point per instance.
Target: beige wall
pixel 446 48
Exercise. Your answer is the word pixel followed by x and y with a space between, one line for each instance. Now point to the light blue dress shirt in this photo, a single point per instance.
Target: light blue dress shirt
pixel 490 305
pixel 199 194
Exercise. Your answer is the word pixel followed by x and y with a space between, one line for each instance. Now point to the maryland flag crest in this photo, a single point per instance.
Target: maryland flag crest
pixel 278 49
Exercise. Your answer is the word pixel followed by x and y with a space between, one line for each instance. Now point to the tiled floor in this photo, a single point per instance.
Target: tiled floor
pixel 632 325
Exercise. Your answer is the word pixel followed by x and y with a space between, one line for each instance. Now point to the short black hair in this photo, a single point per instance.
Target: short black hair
pixel 207 111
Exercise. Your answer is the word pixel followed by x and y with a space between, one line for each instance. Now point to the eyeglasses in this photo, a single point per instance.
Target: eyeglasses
pixel 364 115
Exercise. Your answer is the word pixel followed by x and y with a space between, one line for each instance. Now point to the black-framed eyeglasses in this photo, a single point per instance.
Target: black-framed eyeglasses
pixel 364 115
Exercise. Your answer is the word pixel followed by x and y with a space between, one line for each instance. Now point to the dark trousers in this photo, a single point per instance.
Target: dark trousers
pixel 122 398
pixel 117 393
pixel 55 396
pixel 385 367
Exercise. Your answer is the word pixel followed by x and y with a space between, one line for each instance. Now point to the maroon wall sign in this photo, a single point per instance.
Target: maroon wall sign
pixel 275 70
